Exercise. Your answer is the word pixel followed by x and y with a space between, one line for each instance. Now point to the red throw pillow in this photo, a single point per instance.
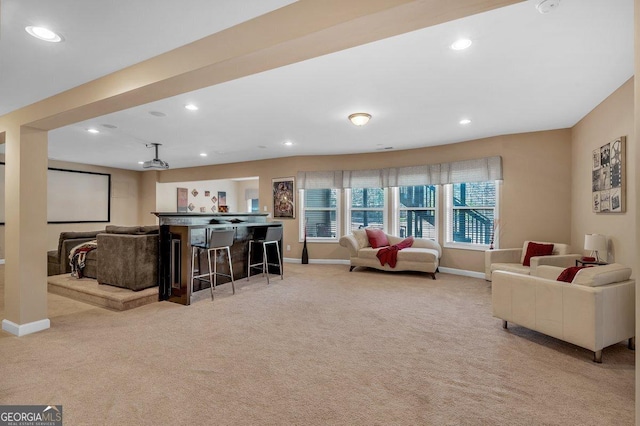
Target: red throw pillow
pixel 569 274
pixel 536 249
pixel 377 238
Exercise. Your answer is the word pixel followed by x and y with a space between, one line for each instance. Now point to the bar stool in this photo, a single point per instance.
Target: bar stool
pixel 217 240
pixel 272 238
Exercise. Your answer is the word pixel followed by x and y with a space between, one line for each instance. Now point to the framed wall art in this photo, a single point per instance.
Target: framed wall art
pixel 284 205
pixel 183 199
pixel 608 177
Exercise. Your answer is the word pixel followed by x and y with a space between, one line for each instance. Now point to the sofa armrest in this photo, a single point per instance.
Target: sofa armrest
pixel 500 256
pixel 562 261
pixel 129 261
pixel 349 241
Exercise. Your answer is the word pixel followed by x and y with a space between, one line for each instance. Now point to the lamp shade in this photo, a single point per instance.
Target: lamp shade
pixel 595 243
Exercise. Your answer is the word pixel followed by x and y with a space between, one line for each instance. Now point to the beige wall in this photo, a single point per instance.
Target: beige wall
pixel 125 191
pixel 535 200
pixel 614 117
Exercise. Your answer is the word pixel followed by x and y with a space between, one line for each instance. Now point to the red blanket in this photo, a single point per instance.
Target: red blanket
pixel 569 274
pixel 389 254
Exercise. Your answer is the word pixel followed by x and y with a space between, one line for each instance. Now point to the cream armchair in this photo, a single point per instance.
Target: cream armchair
pixel 512 260
pixel 595 310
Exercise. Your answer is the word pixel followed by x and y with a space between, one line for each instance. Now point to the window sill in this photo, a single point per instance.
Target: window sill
pixel 464 246
pixel 319 240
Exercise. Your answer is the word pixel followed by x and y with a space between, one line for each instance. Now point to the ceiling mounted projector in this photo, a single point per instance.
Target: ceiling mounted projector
pixel 156 163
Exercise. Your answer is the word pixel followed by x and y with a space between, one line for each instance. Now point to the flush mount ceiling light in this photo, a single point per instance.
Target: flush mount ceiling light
pixel 461 44
pixel 191 107
pixel 546 6
pixel 43 34
pixel 360 118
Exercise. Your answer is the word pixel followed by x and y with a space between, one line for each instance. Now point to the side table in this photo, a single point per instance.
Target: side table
pixel 580 262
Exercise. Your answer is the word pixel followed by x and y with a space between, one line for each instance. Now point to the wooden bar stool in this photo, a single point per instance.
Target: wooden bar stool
pixel 272 238
pixel 218 240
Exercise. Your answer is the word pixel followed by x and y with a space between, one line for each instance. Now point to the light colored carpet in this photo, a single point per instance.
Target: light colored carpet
pixel 324 346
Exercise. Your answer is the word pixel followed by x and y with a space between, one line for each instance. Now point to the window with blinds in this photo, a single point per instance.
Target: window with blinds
pixel 417 211
pixel 320 214
pixel 471 213
pixel 366 208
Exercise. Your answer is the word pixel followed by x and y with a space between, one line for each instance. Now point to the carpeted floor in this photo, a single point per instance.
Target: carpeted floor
pixel 322 347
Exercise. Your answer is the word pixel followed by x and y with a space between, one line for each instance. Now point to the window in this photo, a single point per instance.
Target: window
pixel 366 208
pixel 416 211
pixel 319 212
pixel 471 213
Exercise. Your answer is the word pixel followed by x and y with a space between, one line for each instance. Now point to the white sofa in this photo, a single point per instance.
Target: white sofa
pixel 512 259
pixel 595 310
pixel 423 256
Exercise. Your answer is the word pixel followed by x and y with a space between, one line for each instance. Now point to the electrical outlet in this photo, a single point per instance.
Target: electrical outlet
pixel 288 247
pixel 265 208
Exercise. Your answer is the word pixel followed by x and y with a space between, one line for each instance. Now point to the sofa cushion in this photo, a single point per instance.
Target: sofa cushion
pixel 150 229
pixel 113 229
pixel 511 267
pixel 602 275
pixel 377 237
pixel 536 249
pixel 361 238
pixel 413 254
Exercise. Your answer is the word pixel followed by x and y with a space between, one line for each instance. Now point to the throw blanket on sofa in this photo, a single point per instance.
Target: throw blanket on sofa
pixel 78 255
pixel 389 254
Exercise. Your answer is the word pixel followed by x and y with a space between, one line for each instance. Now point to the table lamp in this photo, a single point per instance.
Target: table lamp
pixel 596 243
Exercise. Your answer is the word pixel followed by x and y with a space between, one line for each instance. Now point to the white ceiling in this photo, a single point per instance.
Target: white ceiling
pixel 524 72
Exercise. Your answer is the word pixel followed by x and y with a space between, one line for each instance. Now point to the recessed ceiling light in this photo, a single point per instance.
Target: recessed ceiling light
pixel 203 154
pixel 461 44
pixel 140 162
pixel 288 143
pixel 109 126
pixel 191 107
pixel 43 34
pixel 157 113
pixel 262 146
pixel 92 130
pixel 465 121
pixel 546 6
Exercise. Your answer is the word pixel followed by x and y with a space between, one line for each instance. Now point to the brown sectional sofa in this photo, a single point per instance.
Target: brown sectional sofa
pixel 127 256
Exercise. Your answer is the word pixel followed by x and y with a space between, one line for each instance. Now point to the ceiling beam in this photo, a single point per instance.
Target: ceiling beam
pixel 302 30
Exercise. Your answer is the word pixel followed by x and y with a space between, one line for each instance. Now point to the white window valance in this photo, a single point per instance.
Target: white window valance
pixel 476 170
pixel 320 180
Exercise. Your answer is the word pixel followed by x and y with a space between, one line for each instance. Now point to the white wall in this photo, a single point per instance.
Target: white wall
pixel 167 194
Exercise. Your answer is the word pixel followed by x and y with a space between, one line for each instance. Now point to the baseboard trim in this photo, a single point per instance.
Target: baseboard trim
pixel 462 272
pixel 319 261
pixel 24 329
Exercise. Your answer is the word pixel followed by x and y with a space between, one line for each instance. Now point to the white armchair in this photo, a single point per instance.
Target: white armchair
pixel 512 259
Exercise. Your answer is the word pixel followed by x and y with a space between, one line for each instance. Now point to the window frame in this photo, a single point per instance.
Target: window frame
pixel 302 213
pixel 349 209
pixel 448 215
pixel 397 209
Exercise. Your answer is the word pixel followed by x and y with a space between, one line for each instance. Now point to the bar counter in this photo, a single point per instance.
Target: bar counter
pixel 178 231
